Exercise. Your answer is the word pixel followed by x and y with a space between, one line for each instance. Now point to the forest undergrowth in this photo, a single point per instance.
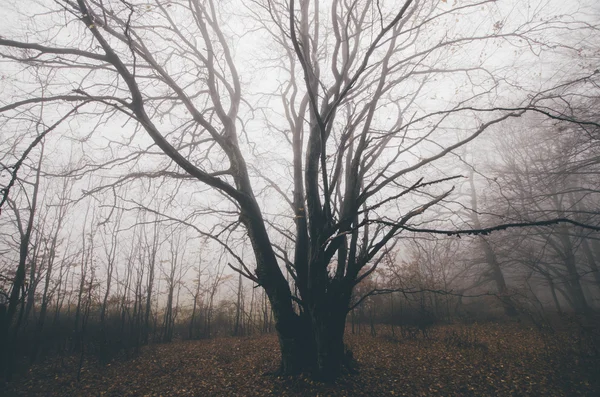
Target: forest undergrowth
pixel 451 360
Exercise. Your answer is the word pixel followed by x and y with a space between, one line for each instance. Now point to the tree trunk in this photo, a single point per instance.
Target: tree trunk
pixel 554 296
pixel 33 278
pixel 490 256
pixel 329 335
pixel 315 343
pixel 297 346
pixel 192 333
pixel 7 346
pixel 236 328
pixel 592 261
pixel 574 284
pixel 316 348
pixel 152 252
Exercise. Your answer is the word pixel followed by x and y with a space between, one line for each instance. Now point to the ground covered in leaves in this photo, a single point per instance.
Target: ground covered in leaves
pixel 456 360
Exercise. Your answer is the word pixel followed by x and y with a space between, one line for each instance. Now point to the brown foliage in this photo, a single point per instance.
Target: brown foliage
pixel 474 360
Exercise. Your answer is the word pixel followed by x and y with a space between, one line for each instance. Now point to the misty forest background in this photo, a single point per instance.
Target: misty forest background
pixel 119 248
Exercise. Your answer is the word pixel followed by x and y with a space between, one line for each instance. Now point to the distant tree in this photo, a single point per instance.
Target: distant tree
pixel 551 172
pixel 24 210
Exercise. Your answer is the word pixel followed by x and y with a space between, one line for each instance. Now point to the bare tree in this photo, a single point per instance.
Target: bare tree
pixel 51 256
pixel 197 303
pixel 358 115
pixel 24 219
pixel 539 175
pixel 495 270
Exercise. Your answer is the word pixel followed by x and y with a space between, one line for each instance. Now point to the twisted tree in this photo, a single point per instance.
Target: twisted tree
pixel 365 101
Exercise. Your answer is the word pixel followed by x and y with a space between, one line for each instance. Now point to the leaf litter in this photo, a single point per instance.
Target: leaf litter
pixel 454 360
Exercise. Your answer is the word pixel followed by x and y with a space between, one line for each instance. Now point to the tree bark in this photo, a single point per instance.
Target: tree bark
pixel 316 347
pixel 490 256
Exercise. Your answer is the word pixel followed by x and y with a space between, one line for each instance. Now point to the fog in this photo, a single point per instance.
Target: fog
pixel 196 169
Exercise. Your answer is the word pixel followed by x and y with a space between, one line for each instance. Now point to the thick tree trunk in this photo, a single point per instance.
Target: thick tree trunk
pixel 318 349
pixel 297 348
pixel 329 336
pixel 316 344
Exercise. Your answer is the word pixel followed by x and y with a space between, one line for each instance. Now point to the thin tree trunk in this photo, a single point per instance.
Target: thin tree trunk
pixel 153 251
pixel 196 297
pixel 236 328
pixel 393 319
pixel 7 345
pixel 554 297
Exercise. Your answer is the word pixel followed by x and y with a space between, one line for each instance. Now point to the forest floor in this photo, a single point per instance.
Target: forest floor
pixel 454 360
